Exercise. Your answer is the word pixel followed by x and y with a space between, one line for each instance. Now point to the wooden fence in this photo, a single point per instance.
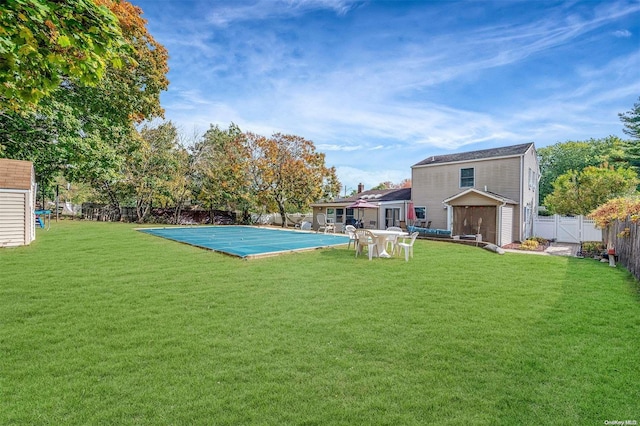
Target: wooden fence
pixel 103 213
pixel 624 236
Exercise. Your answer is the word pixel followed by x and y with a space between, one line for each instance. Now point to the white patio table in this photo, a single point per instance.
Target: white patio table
pixel 381 239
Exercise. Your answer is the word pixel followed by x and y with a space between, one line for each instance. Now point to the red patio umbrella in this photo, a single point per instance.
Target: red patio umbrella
pixel 362 204
pixel 411 213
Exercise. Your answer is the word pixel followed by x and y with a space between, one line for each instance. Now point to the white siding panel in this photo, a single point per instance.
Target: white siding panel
pixel 506 227
pixel 12 219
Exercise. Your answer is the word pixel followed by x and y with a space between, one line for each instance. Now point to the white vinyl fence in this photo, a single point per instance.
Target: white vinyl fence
pixel 566 229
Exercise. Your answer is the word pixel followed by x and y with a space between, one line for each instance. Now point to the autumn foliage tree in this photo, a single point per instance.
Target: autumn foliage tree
pixel 617 209
pixel 289 172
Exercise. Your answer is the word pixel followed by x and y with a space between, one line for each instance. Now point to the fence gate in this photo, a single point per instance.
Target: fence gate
pixel 566 229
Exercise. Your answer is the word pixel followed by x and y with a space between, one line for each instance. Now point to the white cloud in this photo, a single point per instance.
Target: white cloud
pixel 622 33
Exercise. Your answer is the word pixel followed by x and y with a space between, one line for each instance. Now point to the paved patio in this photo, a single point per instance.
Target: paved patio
pixel 554 249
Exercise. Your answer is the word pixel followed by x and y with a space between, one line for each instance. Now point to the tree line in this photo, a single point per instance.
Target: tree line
pixel 225 169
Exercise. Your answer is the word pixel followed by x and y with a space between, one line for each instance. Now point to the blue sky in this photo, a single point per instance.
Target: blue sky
pixel 380 85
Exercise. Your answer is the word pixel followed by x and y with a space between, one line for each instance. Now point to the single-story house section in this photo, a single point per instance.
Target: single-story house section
pixel 392 205
pixel 17 203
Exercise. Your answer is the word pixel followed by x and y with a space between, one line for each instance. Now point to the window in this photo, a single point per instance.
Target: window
pixel 532 179
pixel 466 177
pixel 331 215
pixel 391 217
pixel 421 213
pixel 350 220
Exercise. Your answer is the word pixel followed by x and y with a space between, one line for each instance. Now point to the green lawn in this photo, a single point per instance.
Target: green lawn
pixel 100 324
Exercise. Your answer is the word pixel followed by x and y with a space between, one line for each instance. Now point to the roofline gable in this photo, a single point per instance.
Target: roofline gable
pixel 486 194
pixel 511 151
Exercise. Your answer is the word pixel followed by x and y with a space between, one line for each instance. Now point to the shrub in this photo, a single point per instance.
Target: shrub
pixel 540 240
pixel 592 248
pixel 618 208
pixel 529 245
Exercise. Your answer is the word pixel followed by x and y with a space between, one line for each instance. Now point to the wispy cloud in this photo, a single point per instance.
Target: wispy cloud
pixel 260 10
pixel 397 81
pixel 622 33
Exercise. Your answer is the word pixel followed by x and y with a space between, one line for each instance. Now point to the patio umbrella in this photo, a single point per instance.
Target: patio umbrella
pixel 411 213
pixel 362 204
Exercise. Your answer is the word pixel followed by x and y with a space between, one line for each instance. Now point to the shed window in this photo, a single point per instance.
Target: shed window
pixel 466 177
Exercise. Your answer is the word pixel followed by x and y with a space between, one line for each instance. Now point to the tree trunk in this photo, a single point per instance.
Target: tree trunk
pixel 283 215
pixel 114 205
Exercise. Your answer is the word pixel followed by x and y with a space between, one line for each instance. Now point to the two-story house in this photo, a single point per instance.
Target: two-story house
pixel 491 192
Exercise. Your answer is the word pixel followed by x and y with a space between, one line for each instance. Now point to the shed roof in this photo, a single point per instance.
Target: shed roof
pixel 487 194
pixel 505 151
pixel 15 174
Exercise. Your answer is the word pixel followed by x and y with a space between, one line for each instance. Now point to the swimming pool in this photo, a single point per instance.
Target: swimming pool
pixel 247 241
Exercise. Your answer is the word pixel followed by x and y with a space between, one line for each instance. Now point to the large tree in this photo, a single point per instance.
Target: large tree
pixel 631 121
pixel 558 159
pixel 110 110
pixel 289 172
pixel 87 131
pixel 148 169
pixel 222 172
pixel 580 192
pixel 43 42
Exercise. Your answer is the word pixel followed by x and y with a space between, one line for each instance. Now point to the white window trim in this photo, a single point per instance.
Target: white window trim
pixel 460 177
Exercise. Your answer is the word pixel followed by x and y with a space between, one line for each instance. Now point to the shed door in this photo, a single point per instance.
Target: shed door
pixel 471 220
pixel 12 219
pixel 506 227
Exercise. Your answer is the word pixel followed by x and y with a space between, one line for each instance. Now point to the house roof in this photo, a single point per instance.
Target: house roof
pixel 15 174
pixel 505 151
pixel 374 196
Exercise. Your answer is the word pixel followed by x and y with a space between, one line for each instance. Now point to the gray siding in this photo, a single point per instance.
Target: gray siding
pixel 433 184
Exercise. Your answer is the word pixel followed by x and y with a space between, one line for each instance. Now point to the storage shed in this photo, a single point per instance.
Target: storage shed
pixel 17 202
pixel 474 212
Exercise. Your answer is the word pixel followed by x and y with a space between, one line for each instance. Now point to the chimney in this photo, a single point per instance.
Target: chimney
pixel 360 188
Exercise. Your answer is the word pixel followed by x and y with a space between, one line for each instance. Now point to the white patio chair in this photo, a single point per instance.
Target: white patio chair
pixel 350 230
pixel 408 246
pixel 325 224
pixel 364 238
pixel 392 240
pixel 305 226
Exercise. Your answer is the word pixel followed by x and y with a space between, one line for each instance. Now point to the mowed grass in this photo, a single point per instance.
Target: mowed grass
pixel 100 324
